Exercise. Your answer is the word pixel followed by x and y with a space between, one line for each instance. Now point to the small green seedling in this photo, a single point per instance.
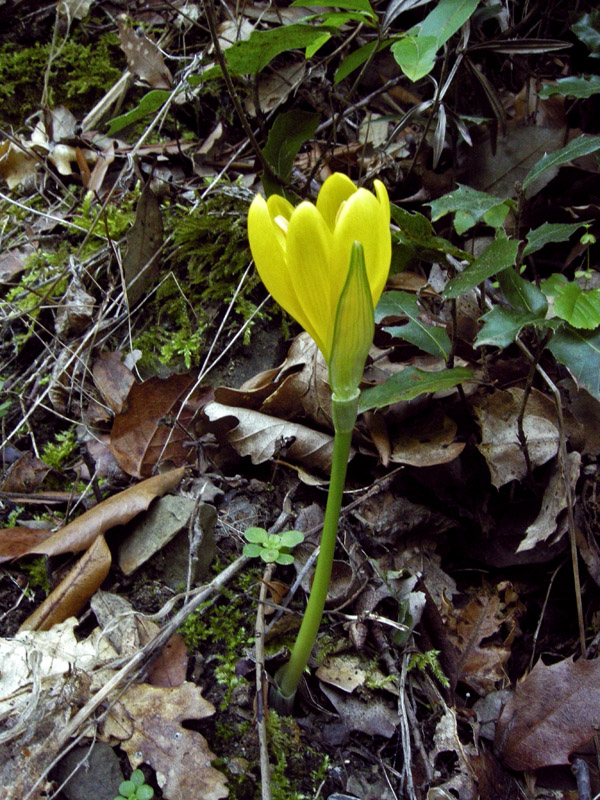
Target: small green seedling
pixel 271 547
pixel 135 788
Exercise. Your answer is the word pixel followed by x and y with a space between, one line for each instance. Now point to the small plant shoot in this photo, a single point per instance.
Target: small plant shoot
pixel 273 548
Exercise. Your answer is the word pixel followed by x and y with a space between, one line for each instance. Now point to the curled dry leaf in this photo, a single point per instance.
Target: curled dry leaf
pixel 552 713
pixel 75 589
pixel 263 437
pixel 296 389
pixel 553 502
pixel 117 510
pixel 141 436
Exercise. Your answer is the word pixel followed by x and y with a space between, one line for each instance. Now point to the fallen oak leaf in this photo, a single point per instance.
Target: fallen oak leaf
pixel 552 713
pixel 75 589
pixel 116 510
pixel 148 721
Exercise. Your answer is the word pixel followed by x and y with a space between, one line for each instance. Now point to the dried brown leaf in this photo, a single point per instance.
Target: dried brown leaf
pixel 552 713
pixel 497 415
pixel 426 441
pixel 15 542
pixel 26 475
pixel 73 592
pixel 169 668
pixel 16 164
pixel 116 510
pixel 296 389
pixel 475 631
pixel 140 262
pixel 113 380
pixel 140 437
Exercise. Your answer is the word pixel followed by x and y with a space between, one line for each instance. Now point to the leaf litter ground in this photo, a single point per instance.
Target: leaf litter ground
pixel 154 408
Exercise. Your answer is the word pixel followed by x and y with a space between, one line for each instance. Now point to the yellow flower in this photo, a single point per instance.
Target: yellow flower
pixel 303 254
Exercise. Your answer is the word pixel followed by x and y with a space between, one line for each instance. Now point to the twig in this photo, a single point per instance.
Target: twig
pixel 581 771
pixel 262 688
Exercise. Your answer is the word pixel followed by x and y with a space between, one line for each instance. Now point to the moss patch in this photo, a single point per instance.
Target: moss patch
pixel 80 74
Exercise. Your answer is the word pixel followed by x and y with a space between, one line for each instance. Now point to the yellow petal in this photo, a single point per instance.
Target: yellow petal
pixel 365 219
pixel 280 207
pixel 335 191
pixel 308 255
pixel 267 244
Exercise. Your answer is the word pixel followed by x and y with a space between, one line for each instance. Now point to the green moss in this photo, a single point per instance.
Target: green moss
pixel 208 256
pixel 37 573
pixel 297 768
pixel 57 452
pixel 80 75
pixel 116 219
pixel 429 660
pixel 227 630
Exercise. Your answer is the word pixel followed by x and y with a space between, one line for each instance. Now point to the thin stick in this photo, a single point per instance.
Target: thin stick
pixel 262 688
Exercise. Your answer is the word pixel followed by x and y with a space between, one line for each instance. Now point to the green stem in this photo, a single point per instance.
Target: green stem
pixel 288 677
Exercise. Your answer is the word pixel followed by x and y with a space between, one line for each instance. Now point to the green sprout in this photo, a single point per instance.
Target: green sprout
pixel 135 788
pixel 273 548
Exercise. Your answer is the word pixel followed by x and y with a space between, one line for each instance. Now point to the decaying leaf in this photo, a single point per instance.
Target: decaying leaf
pixel 476 629
pixel 113 380
pixel 128 631
pixel 552 713
pixel 497 415
pixel 14 261
pixel 144 58
pixel 116 510
pixel 143 435
pixel 75 589
pixel 17 164
pixel 74 9
pixel 348 671
pixel 26 475
pixel 148 722
pixel 59 650
pixel 447 740
pixel 372 716
pixel 297 389
pixel 263 437
pixel 553 502
pixel 140 262
pixel 75 311
pixel 427 441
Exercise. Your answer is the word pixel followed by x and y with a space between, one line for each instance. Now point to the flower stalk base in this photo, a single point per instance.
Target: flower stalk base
pixel 288 677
